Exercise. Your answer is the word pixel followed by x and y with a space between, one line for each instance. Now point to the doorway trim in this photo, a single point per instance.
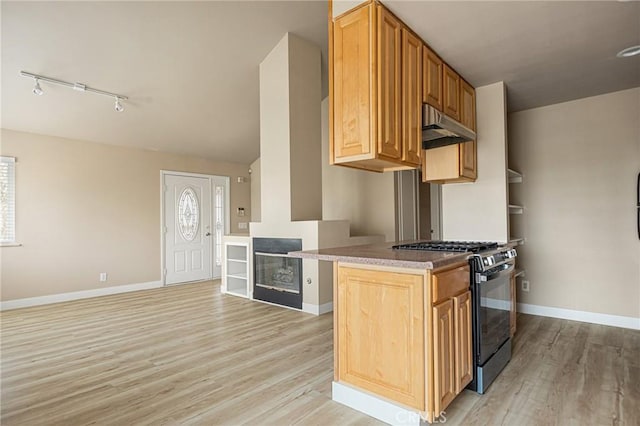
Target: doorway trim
pixel 227 216
pixel 406 205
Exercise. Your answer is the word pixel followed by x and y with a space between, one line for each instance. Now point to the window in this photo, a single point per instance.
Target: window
pixel 7 199
pixel 219 204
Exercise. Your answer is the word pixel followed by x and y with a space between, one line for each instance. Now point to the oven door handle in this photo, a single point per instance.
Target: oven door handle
pixel 484 277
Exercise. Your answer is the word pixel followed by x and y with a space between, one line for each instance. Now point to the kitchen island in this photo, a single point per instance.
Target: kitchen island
pixel 402 330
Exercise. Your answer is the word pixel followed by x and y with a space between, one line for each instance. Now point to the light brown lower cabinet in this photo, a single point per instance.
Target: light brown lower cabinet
pixel 381 333
pixel 463 339
pixel 392 340
pixel 444 355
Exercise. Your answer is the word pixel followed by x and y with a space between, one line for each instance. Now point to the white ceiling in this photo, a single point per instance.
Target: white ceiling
pixel 545 51
pixel 191 69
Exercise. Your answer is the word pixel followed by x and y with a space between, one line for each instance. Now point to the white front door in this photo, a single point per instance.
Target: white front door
pixel 188 228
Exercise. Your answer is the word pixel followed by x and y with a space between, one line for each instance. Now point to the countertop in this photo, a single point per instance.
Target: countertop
pixel 382 254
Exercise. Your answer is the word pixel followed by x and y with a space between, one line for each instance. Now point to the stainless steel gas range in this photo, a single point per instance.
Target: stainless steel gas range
pixel 491 267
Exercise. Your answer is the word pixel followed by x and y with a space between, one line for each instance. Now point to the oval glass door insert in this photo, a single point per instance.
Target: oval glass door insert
pixel 188 214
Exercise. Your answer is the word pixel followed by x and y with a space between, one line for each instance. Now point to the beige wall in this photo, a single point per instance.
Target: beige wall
pixel 580 162
pixel 341 6
pixel 366 199
pixel 274 134
pixel 85 208
pixel 304 129
pixel 478 211
pixel 256 210
pixel 290 131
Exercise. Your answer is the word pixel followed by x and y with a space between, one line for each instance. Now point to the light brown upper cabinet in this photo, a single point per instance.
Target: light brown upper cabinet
pixel 451 88
pixel 468 160
pixel 455 163
pixel 353 124
pixel 389 62
pixel 411 98
pixel 380 74
pixel 375 116
pixel 431 78
pixel 467 105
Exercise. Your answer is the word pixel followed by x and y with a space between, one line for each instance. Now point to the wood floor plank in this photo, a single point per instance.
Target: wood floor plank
pixel 186 354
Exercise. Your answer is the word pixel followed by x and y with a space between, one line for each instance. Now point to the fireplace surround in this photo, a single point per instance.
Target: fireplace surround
pixel 277 276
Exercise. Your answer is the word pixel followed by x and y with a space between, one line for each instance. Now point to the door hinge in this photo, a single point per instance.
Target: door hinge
pixel 164 229
pixel 164 272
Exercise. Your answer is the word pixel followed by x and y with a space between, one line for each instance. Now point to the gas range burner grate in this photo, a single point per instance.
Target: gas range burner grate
pixel 454 246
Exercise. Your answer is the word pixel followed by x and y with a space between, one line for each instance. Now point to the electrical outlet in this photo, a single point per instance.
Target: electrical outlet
pixel 242 225
pixel 103 277
pixel 525 286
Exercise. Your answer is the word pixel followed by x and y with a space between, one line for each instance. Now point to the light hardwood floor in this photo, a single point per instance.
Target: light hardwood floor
pixel 188 355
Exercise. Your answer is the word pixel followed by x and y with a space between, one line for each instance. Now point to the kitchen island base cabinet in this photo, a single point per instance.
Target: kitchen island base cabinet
pixel 392 341
pixel 381 333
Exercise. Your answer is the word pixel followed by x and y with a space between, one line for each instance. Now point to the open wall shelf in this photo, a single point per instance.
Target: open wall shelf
pixel 517 241
pixel 236 266
pixel 515 209
pixel 513 176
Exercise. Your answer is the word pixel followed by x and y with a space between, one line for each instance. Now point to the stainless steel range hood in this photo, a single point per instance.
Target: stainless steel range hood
pixel 439 130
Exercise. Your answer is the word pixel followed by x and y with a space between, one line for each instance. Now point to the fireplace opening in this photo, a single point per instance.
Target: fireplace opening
pixel 277 276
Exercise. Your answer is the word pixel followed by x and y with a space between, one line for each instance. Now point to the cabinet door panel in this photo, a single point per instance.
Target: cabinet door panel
pixel 411 98
pixel 463 338
pixel 440 164
pixel 389 106
pixel 451 88
pixel 468 162
pixel 432 78
pixel 352 85
pixel 467 105
pixel 443 355
pixel 383 312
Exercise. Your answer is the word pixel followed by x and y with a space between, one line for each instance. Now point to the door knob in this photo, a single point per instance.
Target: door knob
pixel 207 234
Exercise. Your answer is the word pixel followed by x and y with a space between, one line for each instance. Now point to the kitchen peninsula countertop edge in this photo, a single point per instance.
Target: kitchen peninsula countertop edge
pixel 382 254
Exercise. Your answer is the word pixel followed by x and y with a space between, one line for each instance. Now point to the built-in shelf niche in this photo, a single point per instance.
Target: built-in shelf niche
pixel 235 269
pixel 515 177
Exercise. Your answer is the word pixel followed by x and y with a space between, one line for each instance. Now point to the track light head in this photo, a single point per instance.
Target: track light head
pixel 37 90
pixel 118 107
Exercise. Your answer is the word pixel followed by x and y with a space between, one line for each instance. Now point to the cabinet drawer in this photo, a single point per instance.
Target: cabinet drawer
pixel 447 284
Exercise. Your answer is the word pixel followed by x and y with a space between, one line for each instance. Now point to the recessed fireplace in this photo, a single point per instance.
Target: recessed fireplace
pixel 277 276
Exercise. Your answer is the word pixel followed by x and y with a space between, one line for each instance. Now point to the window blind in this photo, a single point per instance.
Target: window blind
pixel 7 199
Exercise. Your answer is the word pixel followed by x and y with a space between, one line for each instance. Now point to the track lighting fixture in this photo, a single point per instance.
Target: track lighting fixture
pixel 37 90
pixel 629 51
pixel 118 106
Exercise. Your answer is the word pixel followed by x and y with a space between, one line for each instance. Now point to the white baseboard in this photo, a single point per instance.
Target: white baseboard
pixel 317 309
pixel 76 295
pixel 582 316
pixel 373 406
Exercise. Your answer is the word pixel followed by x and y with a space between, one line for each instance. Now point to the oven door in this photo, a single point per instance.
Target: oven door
pixel 493 309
